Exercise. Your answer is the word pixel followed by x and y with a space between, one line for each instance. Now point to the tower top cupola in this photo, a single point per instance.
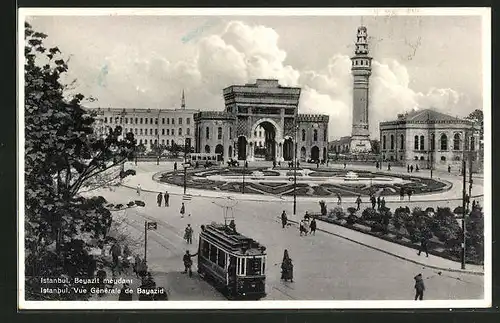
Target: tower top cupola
pixel 361 42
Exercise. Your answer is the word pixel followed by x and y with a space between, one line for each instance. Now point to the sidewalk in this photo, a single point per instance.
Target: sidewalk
pixel 397 250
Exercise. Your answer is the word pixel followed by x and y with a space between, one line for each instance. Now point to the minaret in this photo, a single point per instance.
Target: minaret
pixel 183 101
pixel 361 70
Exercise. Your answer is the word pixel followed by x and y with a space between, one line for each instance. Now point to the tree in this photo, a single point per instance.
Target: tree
pixel 61 155
pixel 478 118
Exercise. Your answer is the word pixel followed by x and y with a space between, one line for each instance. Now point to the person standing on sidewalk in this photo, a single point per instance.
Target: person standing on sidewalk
pixel 379 201
pixel 183 210
pixel 358 202
pixel 373 200
pixel 167 198
pixel 409 194
pixel 188 234
pixel 419 287
pixel 313 226
pixel 423 246
pixel 382 203
pixel 284 219
pixel 139 189
pixel 159 198
pixel 401 193
pixel 175 166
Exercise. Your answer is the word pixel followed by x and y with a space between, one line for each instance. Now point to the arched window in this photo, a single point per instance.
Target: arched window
pixel 303 135
pixel 444 142
pixel 392 142
pixel 402 145
pixel 315 135
pixel 207 133
pixel 207 149
pixel 433 146
pixel 219 133
pixel 416 143
pixel 422 143
pixel 383 142
pixel 456 141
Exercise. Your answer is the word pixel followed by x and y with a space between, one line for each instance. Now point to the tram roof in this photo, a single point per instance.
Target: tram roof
pixel 232 241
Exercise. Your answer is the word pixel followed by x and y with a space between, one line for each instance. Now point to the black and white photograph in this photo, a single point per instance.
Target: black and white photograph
pixel 224 158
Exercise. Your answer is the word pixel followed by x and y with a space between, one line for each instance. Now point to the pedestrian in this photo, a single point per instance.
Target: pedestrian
pixel 449 168
pixel 408 168
pixel 379 201
pixel 389 166
pixel 183 210
pixel 411 169
pixel 401 193
pixel 473 204
pixel 302 228
pixel 125 293
pixel 232 226
pixel 419 287
pixel 339 199
pixel 188 234
pixel 287 267
pixel 279 164
pixel 317 163
pixel 246 164
pixel 284 219
pixel 274 164
pixel 345 165
pixel 416 168
pixel 139 189
pixel 307 217
pixel 116 252
pixel 382 203
pixel 358 202
pixel 159 199
pixel 423 246
pixel 373 200
pixel 188 262
pixel 167 198
pixel 175 166
pixel 410 192
pixel 313 227
pixel 377 165
pixel 137 265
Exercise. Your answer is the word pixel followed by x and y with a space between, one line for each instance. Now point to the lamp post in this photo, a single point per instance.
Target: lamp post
pixel 295 168
pixel 187 143
pixel 244 170
pixel 158 137
pixel 464 174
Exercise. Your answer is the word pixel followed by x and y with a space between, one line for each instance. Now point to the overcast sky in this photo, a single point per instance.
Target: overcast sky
pixel 146 61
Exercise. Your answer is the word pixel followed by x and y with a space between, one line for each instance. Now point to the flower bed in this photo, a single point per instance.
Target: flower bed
pixel 442 232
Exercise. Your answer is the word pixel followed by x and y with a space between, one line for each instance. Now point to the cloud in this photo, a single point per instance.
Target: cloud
pixel 242 53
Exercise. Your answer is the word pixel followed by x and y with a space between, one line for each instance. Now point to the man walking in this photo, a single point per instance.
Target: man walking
pixel 379 202
pixel 159 199
pixel 183 210
pixel 374 201
pixel 419 287
pixel 284 219
pixel 313 227
pixel 188 234
pixel 358 202
pixel 167 198
pixel 423 247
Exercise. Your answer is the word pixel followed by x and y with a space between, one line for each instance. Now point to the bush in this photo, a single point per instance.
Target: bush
pixel 377 227
pixel 336 212
pixel 351 210
pixel 370 214
pixel 417 212
pixel 352 219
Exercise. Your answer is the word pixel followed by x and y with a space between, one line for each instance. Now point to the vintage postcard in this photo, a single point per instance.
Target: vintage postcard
pixel 254 158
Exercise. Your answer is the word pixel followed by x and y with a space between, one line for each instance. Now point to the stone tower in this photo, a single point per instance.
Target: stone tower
pixel 361 69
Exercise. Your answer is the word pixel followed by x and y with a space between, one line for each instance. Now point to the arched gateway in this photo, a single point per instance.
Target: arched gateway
pixel 260 122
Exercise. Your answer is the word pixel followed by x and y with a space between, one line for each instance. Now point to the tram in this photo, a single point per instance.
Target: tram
pixel 233 263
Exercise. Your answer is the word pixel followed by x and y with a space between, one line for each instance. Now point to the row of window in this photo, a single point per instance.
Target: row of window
pixel 219 133
pixel 419 142
pixel 151 142
pixel 422 158
pixel 315 135
pixel 120 120
pixel 164 132
pixel 240 266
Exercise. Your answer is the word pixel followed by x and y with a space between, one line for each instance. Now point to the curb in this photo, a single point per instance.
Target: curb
pixel 277 199
pixel 398 256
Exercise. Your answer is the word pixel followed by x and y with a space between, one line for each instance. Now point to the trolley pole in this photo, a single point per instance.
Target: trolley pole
pixel 145 240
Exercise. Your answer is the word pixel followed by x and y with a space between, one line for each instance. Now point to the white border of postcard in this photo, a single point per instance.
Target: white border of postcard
pixel 485 13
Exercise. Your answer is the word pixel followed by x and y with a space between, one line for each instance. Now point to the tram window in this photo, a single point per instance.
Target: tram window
pixel 254 266
pixel 221 259
pixel 205 248
pixel 213 254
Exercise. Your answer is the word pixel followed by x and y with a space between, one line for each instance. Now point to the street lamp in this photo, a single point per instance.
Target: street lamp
pixel 187 143
pixel 295 169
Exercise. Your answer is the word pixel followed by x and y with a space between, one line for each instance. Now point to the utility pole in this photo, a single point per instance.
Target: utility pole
pixel 187 143
pixel 145 240
pixel 464 193
pixel 295 168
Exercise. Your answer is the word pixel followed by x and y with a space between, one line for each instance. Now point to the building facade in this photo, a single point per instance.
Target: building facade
pixel 340 146
pixel 261 122
pixel 149 126
pixel 428 138
pixel 361 70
